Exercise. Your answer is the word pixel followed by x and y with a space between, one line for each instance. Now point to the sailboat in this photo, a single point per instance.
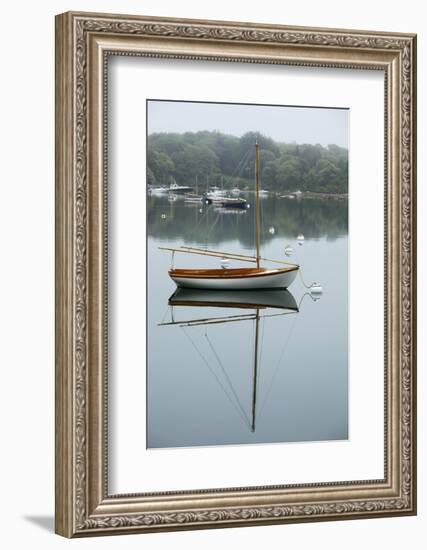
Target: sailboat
pixel 257 301
pixel 243 278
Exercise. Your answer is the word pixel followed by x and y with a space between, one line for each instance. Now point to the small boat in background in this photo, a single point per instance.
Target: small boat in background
pixel 158 190
pixel 175 188
pixel 230 202
pixel 215 193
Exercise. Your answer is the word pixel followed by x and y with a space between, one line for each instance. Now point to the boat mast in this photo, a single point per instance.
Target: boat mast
pixel 257 202
pixel 255 370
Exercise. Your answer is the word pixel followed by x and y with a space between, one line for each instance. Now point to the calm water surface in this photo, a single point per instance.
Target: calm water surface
pixel 201 379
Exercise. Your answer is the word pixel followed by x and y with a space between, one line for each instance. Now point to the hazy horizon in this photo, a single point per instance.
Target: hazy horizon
pixel 283 124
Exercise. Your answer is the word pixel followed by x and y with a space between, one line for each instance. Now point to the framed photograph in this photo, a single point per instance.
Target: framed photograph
pixel 235 274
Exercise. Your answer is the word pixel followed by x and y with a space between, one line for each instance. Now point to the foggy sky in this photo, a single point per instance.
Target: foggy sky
pixel 285 124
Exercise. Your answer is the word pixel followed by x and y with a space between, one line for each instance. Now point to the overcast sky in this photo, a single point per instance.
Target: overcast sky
pixel 285 124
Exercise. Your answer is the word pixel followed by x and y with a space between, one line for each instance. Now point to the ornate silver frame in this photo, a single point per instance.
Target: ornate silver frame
pixel 83 41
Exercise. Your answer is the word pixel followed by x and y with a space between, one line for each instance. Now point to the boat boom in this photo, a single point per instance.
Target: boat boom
pixel 211 253
pixel 227 255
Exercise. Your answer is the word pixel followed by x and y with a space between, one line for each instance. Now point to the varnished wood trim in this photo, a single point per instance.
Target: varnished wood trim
pixel 234 273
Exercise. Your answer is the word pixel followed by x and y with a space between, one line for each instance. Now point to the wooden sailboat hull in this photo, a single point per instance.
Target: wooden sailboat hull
pixel 234 279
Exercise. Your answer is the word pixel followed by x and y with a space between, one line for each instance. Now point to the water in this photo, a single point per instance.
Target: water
pixel 203 385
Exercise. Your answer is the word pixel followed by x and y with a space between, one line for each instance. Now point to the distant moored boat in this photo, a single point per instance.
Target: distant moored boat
pixel 230 202
pixel 179 189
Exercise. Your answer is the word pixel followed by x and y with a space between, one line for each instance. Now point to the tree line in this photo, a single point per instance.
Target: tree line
pixel 209 158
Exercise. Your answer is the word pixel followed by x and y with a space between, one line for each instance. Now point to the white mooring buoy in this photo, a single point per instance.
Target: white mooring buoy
pixel 272 231
pixel 300 239
pixel 288 250
pixel 163 216
pixel 316 289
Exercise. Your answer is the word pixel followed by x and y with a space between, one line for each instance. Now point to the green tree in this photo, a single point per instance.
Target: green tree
pixel 151 180
pixel 195 160
pixel 160 166
pixel 216 157
pixel 290 173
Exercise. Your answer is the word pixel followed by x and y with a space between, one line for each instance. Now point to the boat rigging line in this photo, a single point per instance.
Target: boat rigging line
pixel 202 217
pixel 237 405
pixel 316 288
pixel 226 376
pixel 276 370
pixel 242 164
pixel 211 228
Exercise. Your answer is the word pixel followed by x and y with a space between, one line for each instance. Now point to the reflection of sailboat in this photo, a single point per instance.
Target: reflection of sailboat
pixel 236 278
pixel 256 300
pixel 240 299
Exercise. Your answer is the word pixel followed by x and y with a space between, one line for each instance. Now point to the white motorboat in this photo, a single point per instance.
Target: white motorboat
pixel 175 189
